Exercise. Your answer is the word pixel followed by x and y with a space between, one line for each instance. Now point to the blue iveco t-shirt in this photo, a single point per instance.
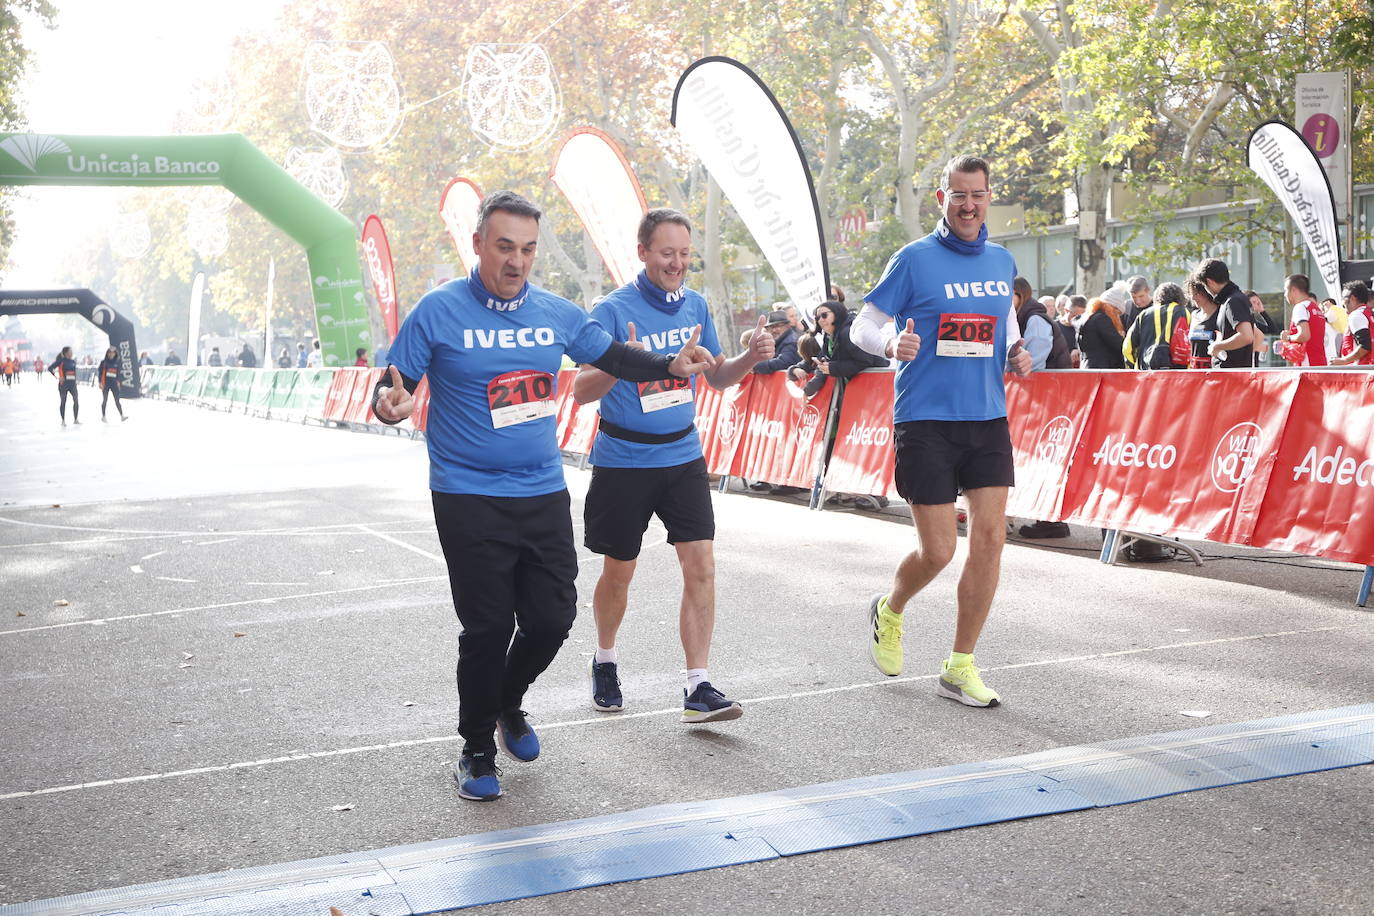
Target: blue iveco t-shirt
pixel 652 407
pixel 960 304
pixel 493 377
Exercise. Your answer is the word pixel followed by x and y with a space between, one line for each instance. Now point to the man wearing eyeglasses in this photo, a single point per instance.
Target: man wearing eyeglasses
pixel 953 288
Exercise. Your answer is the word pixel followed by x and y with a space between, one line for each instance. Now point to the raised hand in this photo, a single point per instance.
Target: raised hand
pixel 907 343
pixel 761 346
pixel 394 403
pixel 693 359
pixel 633 340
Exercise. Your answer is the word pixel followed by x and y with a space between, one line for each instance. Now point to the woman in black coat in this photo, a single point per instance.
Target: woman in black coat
pixel 838 356
pixel 1100 337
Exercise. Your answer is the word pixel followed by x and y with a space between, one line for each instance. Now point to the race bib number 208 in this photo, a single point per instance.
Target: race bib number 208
pixel 966 335
pixel 519 397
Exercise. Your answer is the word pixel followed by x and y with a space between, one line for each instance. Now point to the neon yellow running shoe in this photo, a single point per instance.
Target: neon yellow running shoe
pixel 886 645
pixel 965 685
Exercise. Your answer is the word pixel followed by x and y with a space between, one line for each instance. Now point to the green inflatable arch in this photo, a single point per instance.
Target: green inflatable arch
pixel 219 159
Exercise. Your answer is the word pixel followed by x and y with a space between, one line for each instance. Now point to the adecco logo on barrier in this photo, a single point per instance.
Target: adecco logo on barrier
pixel 868 435
pixel 1123 454
pixel 1235 457
pixel 1338 468
pixel 1056 437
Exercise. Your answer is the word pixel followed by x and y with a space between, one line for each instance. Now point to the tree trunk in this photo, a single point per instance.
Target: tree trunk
pixel 1090 268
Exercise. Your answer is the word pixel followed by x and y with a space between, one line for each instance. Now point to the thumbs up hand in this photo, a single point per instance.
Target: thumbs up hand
pixel 907 343
pixel 761 344
pixel 394 403
pixel 634 340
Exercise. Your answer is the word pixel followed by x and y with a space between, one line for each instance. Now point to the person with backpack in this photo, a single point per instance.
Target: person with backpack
pixel 1047 347
pixel 1159 337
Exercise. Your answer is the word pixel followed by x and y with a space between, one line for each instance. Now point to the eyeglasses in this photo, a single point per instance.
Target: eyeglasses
pixel 959 198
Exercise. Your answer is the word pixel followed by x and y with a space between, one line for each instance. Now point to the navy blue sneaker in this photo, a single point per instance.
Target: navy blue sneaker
pixel 476 775
pixel 515 736
pixel 707 704
pixel 606 696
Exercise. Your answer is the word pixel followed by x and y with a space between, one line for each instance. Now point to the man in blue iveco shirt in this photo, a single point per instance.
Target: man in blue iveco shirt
pixel 954 288
pixel 648 461
pixel 492 345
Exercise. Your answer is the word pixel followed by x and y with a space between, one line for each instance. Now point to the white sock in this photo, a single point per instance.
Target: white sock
pixel 694 678
pixel 605 655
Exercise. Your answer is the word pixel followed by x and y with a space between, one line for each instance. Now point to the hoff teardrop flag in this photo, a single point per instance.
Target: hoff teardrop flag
pixel 458 207
pixel 736 127
pixel 1280 156
pixel 377 257
pixel 596 178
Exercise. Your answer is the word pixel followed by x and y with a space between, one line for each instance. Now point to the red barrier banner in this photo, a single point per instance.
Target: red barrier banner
pixel 419 417
pixel 1179 452
pixel 1320 498
pixel 863 455
pixel 377 257
pixel 359 408
pixel 720 421
pixel 582 426
pixel 784 432
pixel 340 391
pixel 564 405
pixel 1048 415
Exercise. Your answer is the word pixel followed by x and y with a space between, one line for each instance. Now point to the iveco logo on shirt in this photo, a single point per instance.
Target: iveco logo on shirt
pixel 505 305
pixel 977 289
pixel 677 337
pixel 507 338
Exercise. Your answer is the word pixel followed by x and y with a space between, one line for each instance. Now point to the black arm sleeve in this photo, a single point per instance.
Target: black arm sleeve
pixel 385 382
pixel 1362 338
pixel 633 364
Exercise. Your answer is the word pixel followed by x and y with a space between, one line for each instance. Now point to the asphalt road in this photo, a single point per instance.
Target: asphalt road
pixel 198 599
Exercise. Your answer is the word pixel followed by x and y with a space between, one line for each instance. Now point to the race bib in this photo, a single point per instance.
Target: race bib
pixel 661 393
pixel 966 336
pixel 519 397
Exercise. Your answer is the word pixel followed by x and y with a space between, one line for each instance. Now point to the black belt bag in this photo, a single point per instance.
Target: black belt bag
pixel 616 431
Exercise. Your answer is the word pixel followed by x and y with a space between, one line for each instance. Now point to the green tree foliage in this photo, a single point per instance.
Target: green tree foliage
pixel 14 63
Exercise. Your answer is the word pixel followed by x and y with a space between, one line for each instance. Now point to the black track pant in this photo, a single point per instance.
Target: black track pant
pixel 63 389
pixel 512 568
pixel 110 389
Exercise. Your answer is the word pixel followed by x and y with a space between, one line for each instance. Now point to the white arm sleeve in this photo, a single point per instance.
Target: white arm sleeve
pixel 871 329
pixel 1013 328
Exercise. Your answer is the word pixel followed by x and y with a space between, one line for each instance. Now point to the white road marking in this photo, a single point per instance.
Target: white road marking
pixel 400 543
pixel 211 607
pixel 601 719
pixel 220 541
pixel 151 555
pixel 173 579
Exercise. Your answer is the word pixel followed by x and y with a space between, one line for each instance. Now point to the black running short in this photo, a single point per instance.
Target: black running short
pixel 620 502
pixel 937 459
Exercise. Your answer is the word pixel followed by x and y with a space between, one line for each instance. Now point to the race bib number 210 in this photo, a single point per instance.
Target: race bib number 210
pixel 519 397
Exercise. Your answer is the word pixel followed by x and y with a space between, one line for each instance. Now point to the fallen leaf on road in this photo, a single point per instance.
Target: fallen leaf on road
pixel 186 665
pixel 1195 713
pixel 237 635
pixel 61 602
pixel 343 807
pixel 20 614
pixel 56 505
pixel 407 703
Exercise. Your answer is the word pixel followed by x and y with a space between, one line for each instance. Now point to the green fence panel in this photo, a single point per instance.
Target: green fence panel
pixel 260 394
pixel 283 387
pixel 317 389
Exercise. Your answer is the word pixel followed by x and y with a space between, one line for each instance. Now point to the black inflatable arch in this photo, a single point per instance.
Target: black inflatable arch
pixel 97 311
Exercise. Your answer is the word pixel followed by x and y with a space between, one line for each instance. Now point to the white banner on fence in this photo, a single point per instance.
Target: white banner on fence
pixel 1323 118
pixel 596 178
pixel 735 126
pixel 193 335
pixel 1278 154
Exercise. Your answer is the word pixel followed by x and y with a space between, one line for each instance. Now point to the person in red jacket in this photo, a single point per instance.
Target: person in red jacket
pixel 108 374
pixel 1356 347
pixel 1304 343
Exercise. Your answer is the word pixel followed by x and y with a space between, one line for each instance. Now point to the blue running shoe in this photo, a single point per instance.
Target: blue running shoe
pixel 707 704
pixel 476 775
pixel 515 736
pixel 606 696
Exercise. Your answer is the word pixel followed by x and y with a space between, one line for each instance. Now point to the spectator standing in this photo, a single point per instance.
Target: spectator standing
pixel 1202 324
pixel 1356 347
pixel 1045 344
pixel 1102 333
pixel 247 358
pixel 214 359
pixel 1265 327
pixel 316 358
pixel 1336 319
pixel 301 355
pixel 144 359
pixel 784 344
pixel 1234 348
pixel 172 358
pixel 1141 299
pixel 284 360
pixel 360 355
pixel 1304 342
pixel 1159 337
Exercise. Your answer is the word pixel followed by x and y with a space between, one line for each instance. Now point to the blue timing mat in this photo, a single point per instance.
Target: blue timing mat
pixel 678 838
